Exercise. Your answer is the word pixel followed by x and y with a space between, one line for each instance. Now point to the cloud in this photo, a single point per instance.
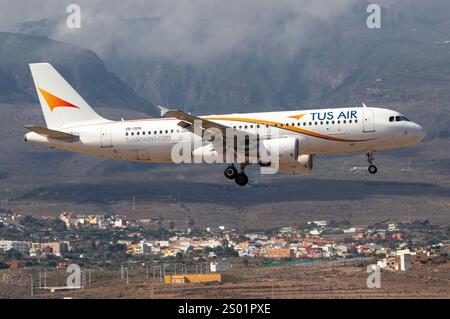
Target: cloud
pixel 185 31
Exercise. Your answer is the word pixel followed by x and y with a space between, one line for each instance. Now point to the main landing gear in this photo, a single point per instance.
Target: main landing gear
pixel 370 158
pixel 239 177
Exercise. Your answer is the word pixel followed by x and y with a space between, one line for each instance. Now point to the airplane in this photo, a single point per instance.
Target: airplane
pixel 298 135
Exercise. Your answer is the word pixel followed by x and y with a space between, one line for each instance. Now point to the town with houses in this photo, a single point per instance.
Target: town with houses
pixel 96 239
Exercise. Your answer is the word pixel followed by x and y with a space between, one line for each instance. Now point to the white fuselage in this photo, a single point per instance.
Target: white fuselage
pixel 319 131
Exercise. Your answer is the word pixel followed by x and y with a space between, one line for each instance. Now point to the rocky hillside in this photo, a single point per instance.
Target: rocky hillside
pixel 81 67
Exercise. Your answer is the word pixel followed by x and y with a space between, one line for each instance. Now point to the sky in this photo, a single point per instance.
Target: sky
pixel 185 31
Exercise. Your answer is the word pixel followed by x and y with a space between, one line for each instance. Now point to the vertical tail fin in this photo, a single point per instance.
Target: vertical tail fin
pixel 61 104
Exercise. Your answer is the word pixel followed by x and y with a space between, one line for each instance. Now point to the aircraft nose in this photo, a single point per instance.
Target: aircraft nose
pixel 419 132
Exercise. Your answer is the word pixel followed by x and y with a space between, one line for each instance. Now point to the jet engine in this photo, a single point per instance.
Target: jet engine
pixel 289 158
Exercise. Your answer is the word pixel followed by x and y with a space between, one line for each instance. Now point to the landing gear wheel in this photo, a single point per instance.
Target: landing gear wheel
pixel 230 172
pixel 370 157
pixel 373 169
pixel 241 179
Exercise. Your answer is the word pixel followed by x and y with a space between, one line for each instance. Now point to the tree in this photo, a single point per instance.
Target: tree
pixel 58 225
pixel 13 254
pixel 30 221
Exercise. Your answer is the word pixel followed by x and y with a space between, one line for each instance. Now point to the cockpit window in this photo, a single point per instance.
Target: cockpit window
pixel 398 118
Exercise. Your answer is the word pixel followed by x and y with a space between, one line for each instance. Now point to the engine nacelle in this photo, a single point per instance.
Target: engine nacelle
pixel 285 149
pixel 289 159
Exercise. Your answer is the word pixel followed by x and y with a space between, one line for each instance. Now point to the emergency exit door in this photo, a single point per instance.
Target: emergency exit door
pixel 105 136
pixel 368 122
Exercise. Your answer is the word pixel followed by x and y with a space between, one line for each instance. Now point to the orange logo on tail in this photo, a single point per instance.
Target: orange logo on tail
pixel 54 101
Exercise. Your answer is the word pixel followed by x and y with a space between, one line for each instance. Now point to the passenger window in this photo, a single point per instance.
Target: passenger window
pixel 143 133
pixel 321 123
pixel 137 133
pixel 332 122
pixel 356 121
pixel 171 131
pixel 132 133
pixel 126 134
pixel 257 126
pixel 160 132
pixel 149 132
pixel 345 121
pixel 155 132
pixel 350 121
pixel 315 123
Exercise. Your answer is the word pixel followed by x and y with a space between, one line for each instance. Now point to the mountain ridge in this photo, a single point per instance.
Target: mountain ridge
pixel 82 68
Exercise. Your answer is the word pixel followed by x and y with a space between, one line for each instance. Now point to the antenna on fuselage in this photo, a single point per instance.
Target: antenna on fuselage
pixel 364 105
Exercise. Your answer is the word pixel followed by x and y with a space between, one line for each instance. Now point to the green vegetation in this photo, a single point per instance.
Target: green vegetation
pixel 3 265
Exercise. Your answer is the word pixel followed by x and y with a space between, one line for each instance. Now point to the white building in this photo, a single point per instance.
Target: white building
pixel 21 246
pixel 405 262
pixel 144 248
pixel 392 227
pixel 72 219
pixel 320 223
pixel 350 230
pixel 215 266
pixel 119 223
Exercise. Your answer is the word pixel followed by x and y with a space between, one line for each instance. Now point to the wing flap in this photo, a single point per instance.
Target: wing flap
pixel 189 122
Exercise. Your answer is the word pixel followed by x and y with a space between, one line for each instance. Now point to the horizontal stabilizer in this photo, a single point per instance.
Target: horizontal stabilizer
pixel 56 135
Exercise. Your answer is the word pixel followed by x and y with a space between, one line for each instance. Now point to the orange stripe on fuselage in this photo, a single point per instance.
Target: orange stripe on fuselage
pixel 289 128
pixel 254 121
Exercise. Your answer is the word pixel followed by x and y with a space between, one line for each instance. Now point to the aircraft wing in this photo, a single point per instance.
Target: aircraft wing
pixel 56 135
pixel 189 122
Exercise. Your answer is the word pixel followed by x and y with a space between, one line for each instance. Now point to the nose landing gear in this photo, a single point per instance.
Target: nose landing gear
pixel 370 158
pixel 240 178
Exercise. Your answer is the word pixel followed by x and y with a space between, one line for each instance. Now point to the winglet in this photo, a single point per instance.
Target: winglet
pixel 163 110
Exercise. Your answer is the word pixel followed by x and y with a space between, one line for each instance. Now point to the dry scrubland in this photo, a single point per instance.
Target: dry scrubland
pixel 430 281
